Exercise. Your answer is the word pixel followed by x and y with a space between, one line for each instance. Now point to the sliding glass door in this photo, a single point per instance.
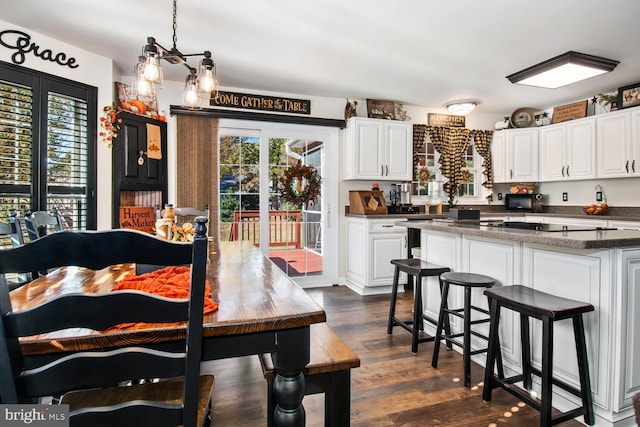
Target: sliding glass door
pixel 278 190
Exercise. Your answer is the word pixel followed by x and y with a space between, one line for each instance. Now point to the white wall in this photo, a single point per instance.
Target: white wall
pixel 93 70
pixel 171 94
pixel 99 71
pixel 619 192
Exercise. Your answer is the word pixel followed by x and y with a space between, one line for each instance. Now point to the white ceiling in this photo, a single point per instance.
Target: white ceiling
pixel 416 52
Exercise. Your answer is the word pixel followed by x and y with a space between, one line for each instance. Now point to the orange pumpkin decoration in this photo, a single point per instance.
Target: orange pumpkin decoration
pixel 139 105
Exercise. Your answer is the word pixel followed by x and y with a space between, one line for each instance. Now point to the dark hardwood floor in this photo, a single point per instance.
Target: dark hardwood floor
pixel 392 387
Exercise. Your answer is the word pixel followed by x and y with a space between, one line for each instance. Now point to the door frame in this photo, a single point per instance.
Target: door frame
pixel 330 186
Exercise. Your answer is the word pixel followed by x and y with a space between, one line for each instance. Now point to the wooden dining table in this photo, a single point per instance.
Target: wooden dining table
pixel 261 310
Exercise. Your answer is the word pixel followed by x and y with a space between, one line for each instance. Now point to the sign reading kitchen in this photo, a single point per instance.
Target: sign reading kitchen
pixel 445 120
pixel 261 102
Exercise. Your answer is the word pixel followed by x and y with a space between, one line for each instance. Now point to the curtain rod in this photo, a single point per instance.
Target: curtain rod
pixel 250 115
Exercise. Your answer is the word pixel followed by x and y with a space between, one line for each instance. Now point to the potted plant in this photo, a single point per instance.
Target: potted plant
pixel 609 100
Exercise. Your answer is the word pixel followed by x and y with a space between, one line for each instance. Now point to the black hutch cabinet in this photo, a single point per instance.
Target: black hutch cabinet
pixel 137 179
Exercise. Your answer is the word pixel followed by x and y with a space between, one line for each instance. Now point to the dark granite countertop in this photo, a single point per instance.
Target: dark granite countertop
pixel 422 216
pixel 596 239
pixel 414 216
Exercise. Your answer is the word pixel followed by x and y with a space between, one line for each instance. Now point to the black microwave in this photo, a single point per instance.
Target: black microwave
pixel 523 202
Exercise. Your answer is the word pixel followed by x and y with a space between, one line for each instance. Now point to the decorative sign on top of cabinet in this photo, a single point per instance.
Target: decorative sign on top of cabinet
pixel 567 151
pixel 515 155
pixel 618 144
pixel 378 150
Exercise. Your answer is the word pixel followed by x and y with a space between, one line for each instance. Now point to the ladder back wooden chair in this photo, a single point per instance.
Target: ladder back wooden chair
pixel 11 237
pixel 39 224
pixel 86 379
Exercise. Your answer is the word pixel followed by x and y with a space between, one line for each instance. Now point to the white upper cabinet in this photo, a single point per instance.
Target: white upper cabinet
pixel 567 151
pixel 522 154
pixel 618 144
pixel 378 150
pixel 515 155
pixel 604 146
pixel 499 156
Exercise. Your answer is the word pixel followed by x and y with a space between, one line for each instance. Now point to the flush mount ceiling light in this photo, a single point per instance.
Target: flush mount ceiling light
pixel 200 82
pixel 461 108
pixel 562 70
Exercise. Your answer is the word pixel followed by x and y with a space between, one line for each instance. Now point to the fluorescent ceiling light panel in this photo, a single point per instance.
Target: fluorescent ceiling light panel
pixel 562 70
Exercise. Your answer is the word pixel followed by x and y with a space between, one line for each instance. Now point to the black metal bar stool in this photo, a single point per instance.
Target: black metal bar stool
pixel 418 269
pixel 549 309
pixel 469 281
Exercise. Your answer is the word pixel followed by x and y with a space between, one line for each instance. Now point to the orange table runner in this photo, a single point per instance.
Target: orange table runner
pixel 169 282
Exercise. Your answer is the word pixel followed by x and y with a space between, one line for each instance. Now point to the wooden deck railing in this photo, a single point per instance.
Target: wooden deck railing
pixel 284 227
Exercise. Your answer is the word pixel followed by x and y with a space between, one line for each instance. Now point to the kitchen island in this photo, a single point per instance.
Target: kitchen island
pixel 601 267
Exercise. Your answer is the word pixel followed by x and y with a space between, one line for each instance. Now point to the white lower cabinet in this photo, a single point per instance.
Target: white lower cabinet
pixel 609 279
pixel 628 293
pixel 582 276
pixel 371 245
pixel 624 225
pixel 442 249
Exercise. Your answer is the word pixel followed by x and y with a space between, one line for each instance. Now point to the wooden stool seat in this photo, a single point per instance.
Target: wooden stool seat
pixel 418 269
pixel 538 304
pixel 468 281
pixel 547 308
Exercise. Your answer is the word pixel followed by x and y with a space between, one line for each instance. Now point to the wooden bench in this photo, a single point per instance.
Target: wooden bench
pixel 328 372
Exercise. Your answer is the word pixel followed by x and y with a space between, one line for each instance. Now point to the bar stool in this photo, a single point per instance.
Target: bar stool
pixel 418 269
pixel 549 309
pixel 468 281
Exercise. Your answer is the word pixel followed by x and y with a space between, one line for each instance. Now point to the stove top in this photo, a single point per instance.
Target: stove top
pixel 551 228
pixel 401 209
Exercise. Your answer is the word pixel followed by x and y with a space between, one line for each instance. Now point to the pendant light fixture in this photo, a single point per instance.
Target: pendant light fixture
pixel 201 82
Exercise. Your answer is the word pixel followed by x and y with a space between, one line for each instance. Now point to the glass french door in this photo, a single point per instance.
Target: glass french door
pixel 301 239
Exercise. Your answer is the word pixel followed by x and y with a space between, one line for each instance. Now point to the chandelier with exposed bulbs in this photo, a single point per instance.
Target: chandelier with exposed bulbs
pixel 201 82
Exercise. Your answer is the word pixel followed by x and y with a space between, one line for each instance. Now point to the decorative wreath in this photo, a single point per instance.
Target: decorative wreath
pixel 424 174
pixel 465 176
pixel 301 184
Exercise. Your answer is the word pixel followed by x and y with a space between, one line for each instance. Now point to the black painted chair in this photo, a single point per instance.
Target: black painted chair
pixel 11 237
pixel 40 223
pixel 86 379
pixel 549 309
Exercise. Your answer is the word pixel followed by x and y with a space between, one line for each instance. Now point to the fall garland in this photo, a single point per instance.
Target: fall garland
pixel 301 184
pixel 110 122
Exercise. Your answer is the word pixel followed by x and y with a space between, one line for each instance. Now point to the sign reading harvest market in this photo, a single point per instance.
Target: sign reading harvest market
pixel 138 218
pixel 261 102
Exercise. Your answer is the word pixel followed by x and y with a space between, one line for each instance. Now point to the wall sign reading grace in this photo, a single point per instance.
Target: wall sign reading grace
pixel 21 43
pixel 261 102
